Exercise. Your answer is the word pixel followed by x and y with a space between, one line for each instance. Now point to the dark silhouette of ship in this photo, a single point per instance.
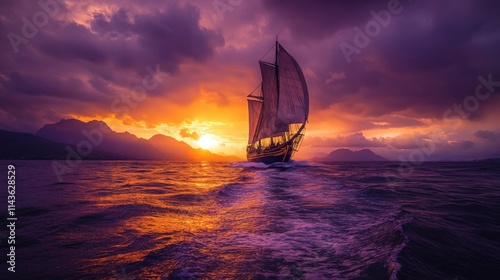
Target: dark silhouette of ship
pixel 278 110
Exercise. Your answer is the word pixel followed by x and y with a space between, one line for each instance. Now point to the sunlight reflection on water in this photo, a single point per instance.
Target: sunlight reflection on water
pixel 153 219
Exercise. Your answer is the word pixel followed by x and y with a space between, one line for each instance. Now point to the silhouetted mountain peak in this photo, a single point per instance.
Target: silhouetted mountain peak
pixel 72 125
pixel 348 155
pixel 161 137
pixel 80 124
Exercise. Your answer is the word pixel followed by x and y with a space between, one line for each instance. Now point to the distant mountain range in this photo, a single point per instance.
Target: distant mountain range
pixel 16 145
pixel 492 158
pixel 348 155
pixel 95 140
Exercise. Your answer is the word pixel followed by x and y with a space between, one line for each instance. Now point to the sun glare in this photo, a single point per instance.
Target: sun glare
pixel 207 141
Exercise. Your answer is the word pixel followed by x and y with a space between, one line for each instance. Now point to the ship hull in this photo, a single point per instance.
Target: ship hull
pixel 281 153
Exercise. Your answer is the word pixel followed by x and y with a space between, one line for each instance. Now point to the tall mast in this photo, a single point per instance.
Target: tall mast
pixel 276 66
pixel 277 76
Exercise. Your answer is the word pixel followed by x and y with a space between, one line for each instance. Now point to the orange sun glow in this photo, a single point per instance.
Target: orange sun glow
pixel 207 141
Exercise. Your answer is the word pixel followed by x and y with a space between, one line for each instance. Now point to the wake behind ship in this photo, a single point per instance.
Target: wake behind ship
pixel 278 110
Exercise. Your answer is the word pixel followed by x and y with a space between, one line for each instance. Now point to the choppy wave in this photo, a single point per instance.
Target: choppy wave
pixel 296 220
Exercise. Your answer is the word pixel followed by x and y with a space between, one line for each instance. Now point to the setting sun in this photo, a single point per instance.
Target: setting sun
pixel 207 141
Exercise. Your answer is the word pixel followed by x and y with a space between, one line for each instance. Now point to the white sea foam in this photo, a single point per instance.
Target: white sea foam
pixel 290 164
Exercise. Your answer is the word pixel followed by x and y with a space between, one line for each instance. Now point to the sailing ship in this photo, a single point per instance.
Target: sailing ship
pixel 278 110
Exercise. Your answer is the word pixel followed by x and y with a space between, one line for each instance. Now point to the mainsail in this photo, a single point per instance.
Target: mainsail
pixel 267 125
pixel 293 104
pixel 284 99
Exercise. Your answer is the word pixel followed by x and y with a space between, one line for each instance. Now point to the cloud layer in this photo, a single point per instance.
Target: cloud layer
pixel 422 62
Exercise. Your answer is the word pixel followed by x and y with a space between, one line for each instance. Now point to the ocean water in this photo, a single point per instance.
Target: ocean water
pixel 161 220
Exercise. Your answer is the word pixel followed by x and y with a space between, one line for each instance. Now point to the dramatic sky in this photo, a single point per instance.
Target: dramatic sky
pixel 411 80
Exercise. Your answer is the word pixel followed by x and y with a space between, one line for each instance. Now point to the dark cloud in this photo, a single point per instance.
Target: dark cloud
pixel 319 19
pixel 487 135
pixel 184 133
pixel 132 41
pixel 460 145
pixel 425 60
pixel 407 141
pixel 68 62
pixel 356 140
pixel 414 141
pixel 64 87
